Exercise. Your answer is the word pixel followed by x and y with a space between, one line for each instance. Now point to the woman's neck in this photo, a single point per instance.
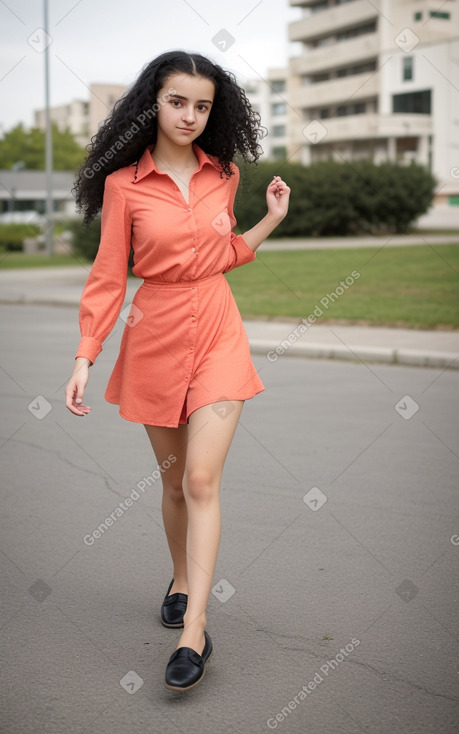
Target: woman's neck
pixel 175 157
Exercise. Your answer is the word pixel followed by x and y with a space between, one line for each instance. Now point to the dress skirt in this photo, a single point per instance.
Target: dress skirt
pixel 183 346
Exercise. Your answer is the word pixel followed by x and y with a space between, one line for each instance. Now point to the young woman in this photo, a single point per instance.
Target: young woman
pixel 161 169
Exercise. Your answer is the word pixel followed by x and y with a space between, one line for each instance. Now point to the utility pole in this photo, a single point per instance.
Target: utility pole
pixel 48 146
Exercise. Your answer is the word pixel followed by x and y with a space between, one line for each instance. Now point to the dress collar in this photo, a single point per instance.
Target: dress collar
pixel 146 164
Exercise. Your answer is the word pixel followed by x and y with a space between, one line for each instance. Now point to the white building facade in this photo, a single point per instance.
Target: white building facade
pixel 80 117
pixel 269 97
pixel 377 80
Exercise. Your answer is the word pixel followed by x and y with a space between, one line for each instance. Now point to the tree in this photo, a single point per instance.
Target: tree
pixel 29 147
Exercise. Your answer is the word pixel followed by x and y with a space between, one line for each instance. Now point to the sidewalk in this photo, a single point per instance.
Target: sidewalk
pixel 62 286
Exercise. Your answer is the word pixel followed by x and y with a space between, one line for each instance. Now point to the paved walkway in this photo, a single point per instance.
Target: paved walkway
pixel 333 607
pixel 341 243
pixel 62 286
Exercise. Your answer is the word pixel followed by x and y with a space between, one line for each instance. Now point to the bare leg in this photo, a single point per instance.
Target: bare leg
pixel 211 431
pixel 167 442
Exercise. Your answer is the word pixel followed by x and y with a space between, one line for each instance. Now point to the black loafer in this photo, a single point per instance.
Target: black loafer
pixel 173 608
pixel 186 667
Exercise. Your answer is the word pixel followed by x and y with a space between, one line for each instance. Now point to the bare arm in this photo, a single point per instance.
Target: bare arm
pixel 277 199
pixel 76 386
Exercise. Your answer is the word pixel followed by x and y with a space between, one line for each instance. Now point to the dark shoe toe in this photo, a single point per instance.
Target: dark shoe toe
pixel 186 667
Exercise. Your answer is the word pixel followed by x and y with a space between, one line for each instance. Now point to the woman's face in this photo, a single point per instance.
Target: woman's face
pixel 183 117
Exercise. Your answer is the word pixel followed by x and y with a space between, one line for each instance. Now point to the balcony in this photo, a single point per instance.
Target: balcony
pixel 366 127
pixel 340 54
pixel 302 3
pixel 336 91
pixel 330 21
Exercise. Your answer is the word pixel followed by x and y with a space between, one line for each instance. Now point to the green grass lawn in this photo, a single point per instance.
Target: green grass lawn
pixel 14 260
pixel 417 287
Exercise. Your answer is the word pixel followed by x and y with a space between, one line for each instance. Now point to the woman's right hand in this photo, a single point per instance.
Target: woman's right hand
pixel 74 391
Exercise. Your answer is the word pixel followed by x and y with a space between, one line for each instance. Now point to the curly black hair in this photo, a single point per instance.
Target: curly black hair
pixel 233 126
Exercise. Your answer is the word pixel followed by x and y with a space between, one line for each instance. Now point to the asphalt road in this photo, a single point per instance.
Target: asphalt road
pixel 334 609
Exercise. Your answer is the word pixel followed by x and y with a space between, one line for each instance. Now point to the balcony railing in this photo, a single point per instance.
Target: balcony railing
pixel 336 18
pixel 355 50
pixel 367 126
pixel 337 91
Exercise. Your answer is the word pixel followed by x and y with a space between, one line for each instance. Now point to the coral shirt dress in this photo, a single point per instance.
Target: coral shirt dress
pixel 183 344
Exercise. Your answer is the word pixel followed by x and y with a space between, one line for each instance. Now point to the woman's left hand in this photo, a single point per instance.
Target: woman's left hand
pixel 277 197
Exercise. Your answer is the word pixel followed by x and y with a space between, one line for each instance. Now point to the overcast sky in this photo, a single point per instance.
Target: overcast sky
pixel 111 40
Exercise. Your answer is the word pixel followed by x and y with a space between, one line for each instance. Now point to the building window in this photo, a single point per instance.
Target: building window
pixel 279 108
pixel 319 7
pixel 279 131
pixel 406 148
pixel 439 14
pixel 358 69
pixel 417 103
pixel 278 85
pixel 279 153
pixel 359 108
pixel 341 111
pixel 323 114
pixel 322 77
pixel 418 15
pixel 321 42
pixel 407 74
pixel 355 32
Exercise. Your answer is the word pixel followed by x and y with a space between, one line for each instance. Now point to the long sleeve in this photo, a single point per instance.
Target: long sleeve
pixel 239 251
pixel 105 289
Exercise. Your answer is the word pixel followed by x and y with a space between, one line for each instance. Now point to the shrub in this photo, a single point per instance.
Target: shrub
pixel 86 240
pixel 332 198
pixel 13 235
pixel 328 198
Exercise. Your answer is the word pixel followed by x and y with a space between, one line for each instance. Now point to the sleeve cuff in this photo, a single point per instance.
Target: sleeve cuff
pixel 89 348
pixel 241 253
pixel 245 252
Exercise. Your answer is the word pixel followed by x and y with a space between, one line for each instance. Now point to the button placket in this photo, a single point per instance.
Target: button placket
pixel 193 324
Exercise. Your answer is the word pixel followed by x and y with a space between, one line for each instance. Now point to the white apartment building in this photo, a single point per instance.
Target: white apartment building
pixel 269 98
pixel 377 79
pixel 73 117
pixel 81 117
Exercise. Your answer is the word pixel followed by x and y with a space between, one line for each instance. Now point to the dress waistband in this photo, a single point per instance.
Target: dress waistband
pixel 198 282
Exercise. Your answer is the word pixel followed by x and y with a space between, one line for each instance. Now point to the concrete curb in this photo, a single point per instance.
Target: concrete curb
pixel 381 355
pixel 311 350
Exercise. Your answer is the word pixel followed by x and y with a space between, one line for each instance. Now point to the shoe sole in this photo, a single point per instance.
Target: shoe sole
pixel 178 688
pixel 172 626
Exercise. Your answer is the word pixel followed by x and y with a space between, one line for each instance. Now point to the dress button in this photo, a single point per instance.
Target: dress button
pixel 193 249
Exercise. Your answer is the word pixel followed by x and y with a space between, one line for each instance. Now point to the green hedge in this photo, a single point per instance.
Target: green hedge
pixel 328 198
pixel 331 198
pixel 13 235
pixel 86 239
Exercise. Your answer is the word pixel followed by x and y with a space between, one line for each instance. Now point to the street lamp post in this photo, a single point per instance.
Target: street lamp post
pixel 48 146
